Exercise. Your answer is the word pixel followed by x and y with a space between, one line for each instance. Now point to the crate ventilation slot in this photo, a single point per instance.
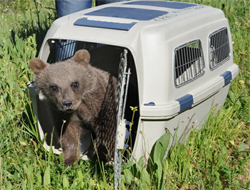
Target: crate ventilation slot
pixel 189 62
pixel 219 48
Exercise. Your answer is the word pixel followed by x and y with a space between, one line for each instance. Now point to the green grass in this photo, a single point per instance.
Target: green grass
pixel 216 157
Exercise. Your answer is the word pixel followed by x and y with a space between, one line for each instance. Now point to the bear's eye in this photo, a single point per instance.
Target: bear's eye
pixel 53 88
pixel 75 85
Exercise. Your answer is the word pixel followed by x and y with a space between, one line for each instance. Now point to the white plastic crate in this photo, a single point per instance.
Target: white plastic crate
pixel 180 56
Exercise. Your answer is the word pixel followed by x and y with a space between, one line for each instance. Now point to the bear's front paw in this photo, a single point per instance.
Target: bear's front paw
pixel 69 159
pixel 69 162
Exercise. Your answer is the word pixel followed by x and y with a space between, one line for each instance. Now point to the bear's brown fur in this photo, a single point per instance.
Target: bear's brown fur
pixel 81 97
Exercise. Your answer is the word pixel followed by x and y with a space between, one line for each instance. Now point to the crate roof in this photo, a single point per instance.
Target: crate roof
pixel 120 23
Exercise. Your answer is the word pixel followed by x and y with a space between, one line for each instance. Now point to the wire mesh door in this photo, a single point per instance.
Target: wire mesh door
pixel 122 89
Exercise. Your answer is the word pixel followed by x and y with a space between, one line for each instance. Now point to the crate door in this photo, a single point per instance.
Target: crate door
pixel 122 89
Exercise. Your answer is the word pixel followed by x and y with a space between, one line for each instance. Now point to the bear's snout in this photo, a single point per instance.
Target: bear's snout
pixel 67 105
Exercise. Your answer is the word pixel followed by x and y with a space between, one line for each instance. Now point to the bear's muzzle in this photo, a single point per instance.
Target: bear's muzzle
pixel 67 105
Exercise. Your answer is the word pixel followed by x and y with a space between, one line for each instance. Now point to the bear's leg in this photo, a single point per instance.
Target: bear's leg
pixel 70 144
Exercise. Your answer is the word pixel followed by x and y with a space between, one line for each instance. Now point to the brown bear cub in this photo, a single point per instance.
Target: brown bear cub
pixel 81 97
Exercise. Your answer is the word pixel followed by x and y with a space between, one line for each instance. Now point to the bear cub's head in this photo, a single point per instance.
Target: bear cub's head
pixel 66 82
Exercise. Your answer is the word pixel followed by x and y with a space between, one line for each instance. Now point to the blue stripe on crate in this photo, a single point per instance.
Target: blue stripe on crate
pixel 129 13
pixel 185 102
pixel 104 24
pixel 172 5
pixel 227 77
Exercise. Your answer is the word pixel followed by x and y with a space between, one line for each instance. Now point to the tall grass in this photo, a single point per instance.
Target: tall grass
pixel 216 157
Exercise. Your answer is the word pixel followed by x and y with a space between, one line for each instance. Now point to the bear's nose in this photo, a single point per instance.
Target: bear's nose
pixel 67 104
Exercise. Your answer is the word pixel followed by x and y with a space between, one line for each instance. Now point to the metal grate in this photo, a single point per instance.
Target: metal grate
pixel 122 89
pixel 219 48
pixel 189 63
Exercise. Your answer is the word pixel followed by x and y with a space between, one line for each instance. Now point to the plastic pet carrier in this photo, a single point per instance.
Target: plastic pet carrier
pixel 180 57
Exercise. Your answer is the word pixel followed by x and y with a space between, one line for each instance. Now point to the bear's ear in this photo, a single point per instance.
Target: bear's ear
pixel 82 56
pixel 37 65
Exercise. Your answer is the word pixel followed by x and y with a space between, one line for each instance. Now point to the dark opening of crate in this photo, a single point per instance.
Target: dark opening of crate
pixel 103 56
